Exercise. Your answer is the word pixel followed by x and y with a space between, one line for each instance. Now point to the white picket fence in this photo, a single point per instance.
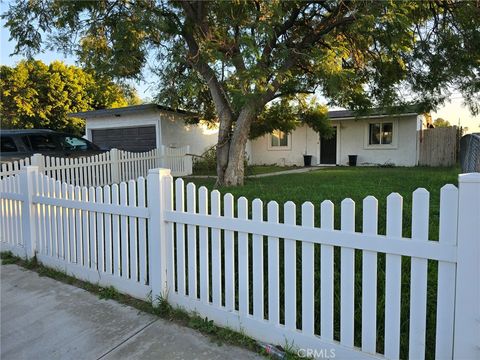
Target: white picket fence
pixel 110 167
pixel 223 259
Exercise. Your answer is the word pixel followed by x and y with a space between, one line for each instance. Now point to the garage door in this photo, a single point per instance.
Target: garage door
pixel 141 138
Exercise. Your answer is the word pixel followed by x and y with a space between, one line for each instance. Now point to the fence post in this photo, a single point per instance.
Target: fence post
pixel 188 162
pixel 159 187
pixel 467 293
pixel 115 166
pixel 39 161
pixel 28 186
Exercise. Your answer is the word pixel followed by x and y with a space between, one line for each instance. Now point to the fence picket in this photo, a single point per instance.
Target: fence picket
pixel 290 265
pixel 229 256
pixel 393 276
pixel 60 238
pixel 132 226
pixel 418 277
pixel 273 267
pixel 216 252
pixel 326 274
pixel 369 278
pixel 243 266
pixel 446 274
pixel 116 237
pixel 347 276
pixel 180 207
pixel 78 228
pixel 257 258
pixel 203 233
pixel 308 302
pixel 124 244
pixel 192 242
pixel 100 238
pixel 107 199
pixel 72 243
pixel 142 234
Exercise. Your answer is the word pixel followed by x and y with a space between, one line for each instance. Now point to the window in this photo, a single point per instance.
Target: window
pixel 380 133
pixel 42 143
pixel 7 144
pixel 278 139
pixel 74 143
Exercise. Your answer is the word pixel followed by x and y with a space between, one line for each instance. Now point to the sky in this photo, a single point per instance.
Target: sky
pixel 453 111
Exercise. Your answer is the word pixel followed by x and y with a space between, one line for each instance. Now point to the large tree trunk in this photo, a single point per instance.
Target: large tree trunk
pixel 233 173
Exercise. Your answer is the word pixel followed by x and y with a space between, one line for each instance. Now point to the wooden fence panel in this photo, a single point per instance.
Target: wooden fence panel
pixel 438 146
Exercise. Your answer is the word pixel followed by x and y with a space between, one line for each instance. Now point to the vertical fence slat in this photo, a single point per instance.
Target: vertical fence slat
pixel 257 258
pixel 273 267
pixel 393 277
pixel 369 278
pixel 347 276
pixel 85 230
pixel 116 233
pixel 93 230
pixel 179 207
pixel 100 232
pixel 66 231
pixel 203 243
pixel 142 234
pixel 446 274
pixel 243 266
pixel 308 284
pixel 78 228
pixel 216 253
pixel 132 226
pixel 107 199
pixel 326 274
pixel 192 242
pixel 60 237
pixel 124 232
pixel 290 265
pixel 229 256
pixel 418 279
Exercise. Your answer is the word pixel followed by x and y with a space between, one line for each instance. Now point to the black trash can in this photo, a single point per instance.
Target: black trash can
pixel 352 160
pixel 307 160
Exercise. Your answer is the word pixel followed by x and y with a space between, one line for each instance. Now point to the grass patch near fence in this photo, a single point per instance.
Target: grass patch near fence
pixel 164 310
pixel 336 184
pixel 249 170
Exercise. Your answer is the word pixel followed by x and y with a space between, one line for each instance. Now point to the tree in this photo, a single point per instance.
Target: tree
pixel 231 61
pixel 439 122
pixel 36 95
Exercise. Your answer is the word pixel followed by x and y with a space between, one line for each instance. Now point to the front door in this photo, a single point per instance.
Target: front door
pixel 328 149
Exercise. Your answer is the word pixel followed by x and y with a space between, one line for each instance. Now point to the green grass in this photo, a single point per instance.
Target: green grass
pixel 336 184
pixel 250 170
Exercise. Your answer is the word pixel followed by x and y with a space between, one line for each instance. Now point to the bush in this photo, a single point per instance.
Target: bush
pixel 207 163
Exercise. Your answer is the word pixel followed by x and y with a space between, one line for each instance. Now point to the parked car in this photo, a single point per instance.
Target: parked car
pixel 19 144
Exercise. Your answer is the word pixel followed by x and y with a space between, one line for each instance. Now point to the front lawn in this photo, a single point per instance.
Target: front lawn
pixel 337 184
pixel 249 171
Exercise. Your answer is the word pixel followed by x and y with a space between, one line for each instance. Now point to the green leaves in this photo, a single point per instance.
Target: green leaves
pixel 36 95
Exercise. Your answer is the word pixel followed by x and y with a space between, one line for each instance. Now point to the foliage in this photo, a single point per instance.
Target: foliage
pixel 36 95
pixel 206 164
pixel 228 60
pixel 439 122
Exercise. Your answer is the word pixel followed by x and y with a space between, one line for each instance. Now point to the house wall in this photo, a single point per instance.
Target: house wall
pixel 170 128
pixel 125 120
pixel 352 139
pixel 176 133
pixel 302 140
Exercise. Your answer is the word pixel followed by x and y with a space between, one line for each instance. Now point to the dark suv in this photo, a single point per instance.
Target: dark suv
pixel 19 144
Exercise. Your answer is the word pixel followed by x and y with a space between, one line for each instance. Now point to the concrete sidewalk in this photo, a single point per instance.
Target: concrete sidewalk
pixel 42 318
pixel 283 172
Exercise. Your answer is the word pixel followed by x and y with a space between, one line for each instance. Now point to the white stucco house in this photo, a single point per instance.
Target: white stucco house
pixel 375 139
pixel 144 127
pixel 379 138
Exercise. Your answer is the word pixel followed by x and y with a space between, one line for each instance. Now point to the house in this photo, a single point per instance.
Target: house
pixel 140 128
pixel 379 138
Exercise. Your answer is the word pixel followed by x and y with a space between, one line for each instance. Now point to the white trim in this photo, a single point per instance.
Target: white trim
pixel 279 148
pixel 392 146
pixel 372 117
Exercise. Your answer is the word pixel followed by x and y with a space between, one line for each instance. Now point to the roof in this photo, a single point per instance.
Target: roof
pixel 377 112
pixel 127 110
pixel 25 131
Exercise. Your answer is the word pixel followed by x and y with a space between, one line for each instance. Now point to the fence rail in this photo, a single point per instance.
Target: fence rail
pixel 110 167
pixel 262 273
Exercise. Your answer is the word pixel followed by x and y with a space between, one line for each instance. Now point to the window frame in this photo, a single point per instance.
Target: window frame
pixel 279 147
pixel 392 145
